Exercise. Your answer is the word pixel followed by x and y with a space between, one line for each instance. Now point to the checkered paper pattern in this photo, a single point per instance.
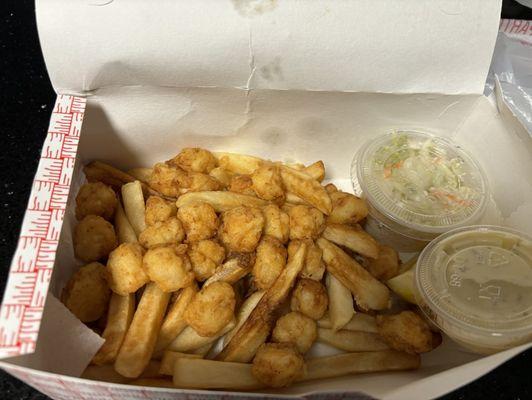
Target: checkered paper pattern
pixel 33 261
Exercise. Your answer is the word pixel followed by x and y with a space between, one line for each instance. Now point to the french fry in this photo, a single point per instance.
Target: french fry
pixel 203 351
pixel 331 188
pixel 141 174
pixel 369 293
pixel 254 332
pixel 124 230
pixel 359 363
pixel 247 307
pixel 119 316
pixel 353 238
pixel 352 340
pixel 308 189
pixel 360 322
pixel 292 198
pixel 141 336
pixel 238 163
pixel 209 374
pixel 169 358
pixel 189 340
pixel 174 322
pixel 315 170
pixel 341 308
pixel 152 382
pixel 134 206
pixel 220 201
pixel 100 171
pixel 107 373
pixel 232 270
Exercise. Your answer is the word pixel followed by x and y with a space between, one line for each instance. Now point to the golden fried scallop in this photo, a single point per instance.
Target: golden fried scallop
pixel 314 267
pixel 241 228
pixel 305 222
pixel 405 331
pixel 310 298
pixel 386 266
pixel 158 210
pixel 199 220
pixel 169 267
pixel 193 159
pixel 205 256
pixel 276 223
pixel 277 364
pixel 297 329
pixel 124 269
pixel 269 262
pixel 347 208
pixel 212 309
pixel 267 183
pixel 241 184
pixel 96 199
pixel 87 294
pixel 94 238
pixel 199 182
pixel 162 233
pixel 166 179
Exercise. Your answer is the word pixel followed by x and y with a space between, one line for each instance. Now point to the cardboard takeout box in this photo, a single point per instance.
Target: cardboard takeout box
pixel 287 80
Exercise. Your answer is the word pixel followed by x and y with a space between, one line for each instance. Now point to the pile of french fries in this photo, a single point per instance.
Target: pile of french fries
pixel 221 271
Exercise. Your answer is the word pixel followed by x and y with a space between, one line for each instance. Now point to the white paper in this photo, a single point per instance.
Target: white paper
pixel 408 46
pixel 65 345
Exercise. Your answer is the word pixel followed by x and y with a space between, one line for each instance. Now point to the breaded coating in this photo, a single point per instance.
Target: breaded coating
pixel 347 208
pixel 199 182
pixel 124 269
pixel 96 199
pixel 277 364
pixel 199 220
pixel 166 179
pixel 162 233
pixel 205 256
pixel 94 238
pixel 169 267
pixel 212 309
pixel 241 184
pixel 305 222
pixel 267 183
pixel 314 267
pixel 269 262
pixel 87 294
pixel 158 210
pixel 241 228
pixel 405 331
pixel 193 159
pixel 386 266
pixel 276 223
pixel 310 298
pixel 297 329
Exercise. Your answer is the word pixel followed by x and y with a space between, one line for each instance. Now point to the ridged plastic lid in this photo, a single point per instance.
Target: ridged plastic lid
pixel 478 279
pixel 379 174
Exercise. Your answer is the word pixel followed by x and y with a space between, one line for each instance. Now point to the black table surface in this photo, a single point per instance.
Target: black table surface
pixel 26 101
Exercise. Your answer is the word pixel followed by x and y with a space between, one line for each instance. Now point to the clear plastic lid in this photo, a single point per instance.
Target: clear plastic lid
pixel 423 182
pixel 477 281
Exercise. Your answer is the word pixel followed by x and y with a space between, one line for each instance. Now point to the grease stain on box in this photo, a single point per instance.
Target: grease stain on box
pixel 272 71
pixel 253 8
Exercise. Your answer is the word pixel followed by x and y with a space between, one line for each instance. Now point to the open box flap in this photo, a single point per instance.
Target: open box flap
pixel 409 46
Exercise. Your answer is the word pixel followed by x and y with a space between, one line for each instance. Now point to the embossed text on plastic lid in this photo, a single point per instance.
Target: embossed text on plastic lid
pixel 475 283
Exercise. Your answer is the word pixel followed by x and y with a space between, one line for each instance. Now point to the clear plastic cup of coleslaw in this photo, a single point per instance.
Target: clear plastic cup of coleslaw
pixel 417 187
pixel 475 284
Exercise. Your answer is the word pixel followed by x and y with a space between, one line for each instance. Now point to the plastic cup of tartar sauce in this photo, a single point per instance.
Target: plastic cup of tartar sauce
pixel 417 187
pixel 475 284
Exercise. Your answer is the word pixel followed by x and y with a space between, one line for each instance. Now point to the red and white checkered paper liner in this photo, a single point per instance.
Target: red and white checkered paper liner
pixel 33 261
